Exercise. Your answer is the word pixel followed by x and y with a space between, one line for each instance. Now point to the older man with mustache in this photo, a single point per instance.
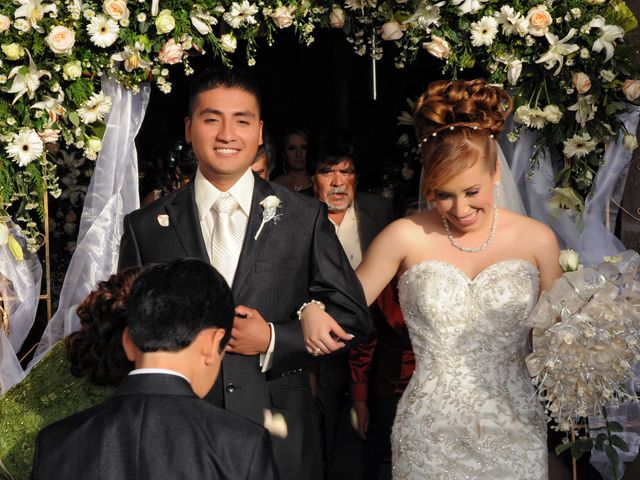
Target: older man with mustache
pixel 357 217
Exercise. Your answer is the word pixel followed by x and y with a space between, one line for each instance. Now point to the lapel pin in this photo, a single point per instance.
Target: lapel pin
pixel 163 220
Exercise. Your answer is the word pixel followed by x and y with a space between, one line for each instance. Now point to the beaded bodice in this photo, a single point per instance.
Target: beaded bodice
pixel 469 410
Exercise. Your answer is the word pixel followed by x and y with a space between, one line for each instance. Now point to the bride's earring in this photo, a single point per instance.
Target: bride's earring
pixel 497 190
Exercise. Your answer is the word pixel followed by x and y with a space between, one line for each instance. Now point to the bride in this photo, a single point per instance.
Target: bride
pixel 469 274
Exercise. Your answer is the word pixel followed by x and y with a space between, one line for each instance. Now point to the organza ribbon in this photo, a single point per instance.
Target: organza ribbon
pixel 112 193
pixel 20 290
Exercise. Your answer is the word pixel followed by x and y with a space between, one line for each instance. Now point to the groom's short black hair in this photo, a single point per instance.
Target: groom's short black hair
pixel 170 304
pixel 211 78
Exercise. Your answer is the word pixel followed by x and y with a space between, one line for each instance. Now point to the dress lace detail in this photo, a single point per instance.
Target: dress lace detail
pixel 469 411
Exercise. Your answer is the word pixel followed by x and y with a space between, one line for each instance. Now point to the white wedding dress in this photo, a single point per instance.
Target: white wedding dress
pixel 469 411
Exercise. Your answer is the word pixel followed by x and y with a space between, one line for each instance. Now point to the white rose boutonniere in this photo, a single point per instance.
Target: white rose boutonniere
pixel 270 204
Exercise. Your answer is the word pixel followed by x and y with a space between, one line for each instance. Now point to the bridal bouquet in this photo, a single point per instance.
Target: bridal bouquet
pixel 586 340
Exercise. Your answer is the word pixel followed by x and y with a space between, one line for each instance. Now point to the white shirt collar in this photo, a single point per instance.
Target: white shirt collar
pixel 206 193
pixel 164 371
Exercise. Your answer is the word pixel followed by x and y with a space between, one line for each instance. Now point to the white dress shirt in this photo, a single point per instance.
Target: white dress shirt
pixel 349 237
pixel 206 194
pixel 164 371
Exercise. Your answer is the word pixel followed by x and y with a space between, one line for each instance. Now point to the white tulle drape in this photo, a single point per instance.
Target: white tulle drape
pixel 20 290
pixel 112 193
pixel 585 232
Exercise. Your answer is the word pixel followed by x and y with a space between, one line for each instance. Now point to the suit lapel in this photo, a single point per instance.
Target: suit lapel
pixel 183 215
pixel 367 228
pixel 251 247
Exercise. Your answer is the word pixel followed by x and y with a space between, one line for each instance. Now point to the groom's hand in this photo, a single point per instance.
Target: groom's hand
pixel 250 334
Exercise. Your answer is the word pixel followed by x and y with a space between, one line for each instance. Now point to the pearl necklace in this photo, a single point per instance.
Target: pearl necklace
pixel 472 249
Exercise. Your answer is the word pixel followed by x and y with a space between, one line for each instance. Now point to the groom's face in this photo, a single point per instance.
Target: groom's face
pixel 225 131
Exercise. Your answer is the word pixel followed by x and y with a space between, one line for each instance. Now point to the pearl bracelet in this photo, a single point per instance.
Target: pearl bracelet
pixel 306 304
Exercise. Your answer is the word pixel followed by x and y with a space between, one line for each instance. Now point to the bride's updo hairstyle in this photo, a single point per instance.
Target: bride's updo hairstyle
pixel 456 123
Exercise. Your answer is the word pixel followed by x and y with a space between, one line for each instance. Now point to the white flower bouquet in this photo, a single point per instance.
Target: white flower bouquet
pixel 586 340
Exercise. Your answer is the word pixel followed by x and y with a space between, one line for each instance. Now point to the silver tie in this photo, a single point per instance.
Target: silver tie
pixel 226 241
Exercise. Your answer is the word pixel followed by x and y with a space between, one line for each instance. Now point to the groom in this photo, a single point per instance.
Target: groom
pixel 276 249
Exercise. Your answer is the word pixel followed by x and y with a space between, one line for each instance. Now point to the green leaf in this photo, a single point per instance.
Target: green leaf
pixel 619 442
pixel 600 439
pixel 615 426
pixel 75 118
pixel 563 447
pixel 612 454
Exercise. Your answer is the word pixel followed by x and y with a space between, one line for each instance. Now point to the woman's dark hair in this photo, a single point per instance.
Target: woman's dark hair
pixel 95 351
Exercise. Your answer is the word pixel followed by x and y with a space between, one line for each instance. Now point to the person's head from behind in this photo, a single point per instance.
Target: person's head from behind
pixel 333 175
pixel 95 351
pixel 264 162
pixel 179 317
pixel 456 123
pixel 295 148
pixel 224 125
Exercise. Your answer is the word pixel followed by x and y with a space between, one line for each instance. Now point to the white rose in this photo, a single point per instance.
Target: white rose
pixel 630 141
pixel 275 423
pixel 282 16
pixel 13 51
pixel 61 39
pixel 337 17
pixel 72 70
pixel 165 22
pixel 539 20
pixel 552 113
pixel 49 135
pixel 171 52
pixel 116 9
pixel 569 260
pixel 438 47
pixel 391 31
pixel 270 202
pixel 523 115
pixel 4 234
pixel 93 147
pixel 229 43
pixel 631 89
pixel 5 23
pixel 581 81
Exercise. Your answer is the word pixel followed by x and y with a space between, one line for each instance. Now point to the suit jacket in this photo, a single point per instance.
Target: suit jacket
pixel 292 261
pixel 374 213
pixel 153 427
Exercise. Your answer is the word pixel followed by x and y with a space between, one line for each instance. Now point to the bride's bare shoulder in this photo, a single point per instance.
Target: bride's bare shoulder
pixel 529 228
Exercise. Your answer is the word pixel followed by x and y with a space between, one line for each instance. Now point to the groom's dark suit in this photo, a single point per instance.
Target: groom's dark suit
pixel 292 261
pixel 153 427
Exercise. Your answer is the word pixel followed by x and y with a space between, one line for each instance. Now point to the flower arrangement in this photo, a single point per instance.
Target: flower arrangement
pixel 586 340
pixel 566 62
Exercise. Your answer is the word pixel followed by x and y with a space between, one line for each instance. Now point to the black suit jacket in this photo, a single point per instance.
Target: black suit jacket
pixel 292 261
pixel 153 427
pixel 374 213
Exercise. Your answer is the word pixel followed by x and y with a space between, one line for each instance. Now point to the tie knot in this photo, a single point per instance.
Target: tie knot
pixel 225 203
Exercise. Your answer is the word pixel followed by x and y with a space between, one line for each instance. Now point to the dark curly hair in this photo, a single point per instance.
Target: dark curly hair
pixel 455 123
pixel 95 351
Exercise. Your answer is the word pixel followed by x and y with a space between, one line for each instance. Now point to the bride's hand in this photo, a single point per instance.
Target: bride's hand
pixel 322 334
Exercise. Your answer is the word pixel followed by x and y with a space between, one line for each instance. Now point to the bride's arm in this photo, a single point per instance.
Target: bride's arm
pixel 547 257
pixel 322 334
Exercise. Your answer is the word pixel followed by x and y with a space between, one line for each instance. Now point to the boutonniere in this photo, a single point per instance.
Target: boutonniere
pixel 269 206
pixel 163 220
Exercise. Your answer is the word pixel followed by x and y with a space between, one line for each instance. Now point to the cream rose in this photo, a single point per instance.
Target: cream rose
pixel 539 21
pixel 552 113
pixel 337 17
pixel 13 51
pixel 391 31
pixel 49 135
pixel 438 47
pixel 630 141
pixel 72 70
pixel 116 9
pixel 165 22
pixel 171 53
pixel 631 89
pixel 5 23
pixel 581 82
pixel 569 261
pixel 229 43
pixel 61 40
pixel 283 16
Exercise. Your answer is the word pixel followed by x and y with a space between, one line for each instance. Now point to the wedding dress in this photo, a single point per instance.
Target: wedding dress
pixel 469 411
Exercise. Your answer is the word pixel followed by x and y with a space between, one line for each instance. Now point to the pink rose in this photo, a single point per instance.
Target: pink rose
pixel 171 52
pixel 631 89
pixel 581 82
pixel 391 31
pixel 539 21
pixel 438 47
pixel 49 135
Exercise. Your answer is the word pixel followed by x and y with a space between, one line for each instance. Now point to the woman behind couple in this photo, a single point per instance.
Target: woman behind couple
pixel 469 275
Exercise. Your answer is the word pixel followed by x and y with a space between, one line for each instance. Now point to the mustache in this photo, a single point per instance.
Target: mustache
pixel 337 190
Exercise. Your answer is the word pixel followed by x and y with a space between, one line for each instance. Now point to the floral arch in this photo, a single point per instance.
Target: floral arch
pixel 566 63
